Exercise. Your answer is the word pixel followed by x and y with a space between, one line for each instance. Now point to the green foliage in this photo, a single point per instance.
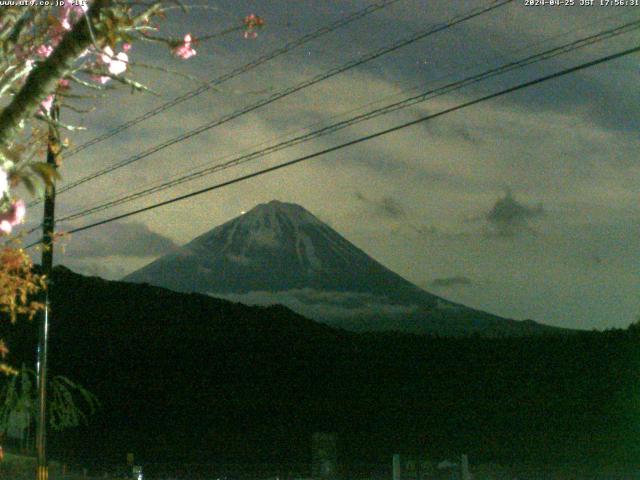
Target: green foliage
pixel 69 404
pixel 64 411
pixel 635 326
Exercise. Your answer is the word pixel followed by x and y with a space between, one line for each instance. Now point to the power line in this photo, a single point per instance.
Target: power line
pixel 289 163
pixel 228 76
pixel 580 43
pixel 234 73
pixel 197 171
pixel 407 102
pixel 289 91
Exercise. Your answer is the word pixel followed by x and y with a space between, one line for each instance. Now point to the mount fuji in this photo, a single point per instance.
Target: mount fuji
pixel 281 253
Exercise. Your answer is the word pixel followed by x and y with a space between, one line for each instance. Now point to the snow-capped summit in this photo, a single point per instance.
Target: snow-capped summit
pixel 275 208
pixel 274 247
pixel 268 226
pixel 281 253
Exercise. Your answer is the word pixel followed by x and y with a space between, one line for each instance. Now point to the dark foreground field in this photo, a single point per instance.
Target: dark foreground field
pixel 188 379
pixel 21 467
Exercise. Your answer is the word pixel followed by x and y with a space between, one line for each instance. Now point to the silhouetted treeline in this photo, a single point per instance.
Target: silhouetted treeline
pixel 192 378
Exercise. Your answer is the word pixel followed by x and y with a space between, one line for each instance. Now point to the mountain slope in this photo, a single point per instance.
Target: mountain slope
pixel 275 247
pixel 280 253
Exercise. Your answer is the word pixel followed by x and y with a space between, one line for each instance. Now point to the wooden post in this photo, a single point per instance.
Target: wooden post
pixel 48 221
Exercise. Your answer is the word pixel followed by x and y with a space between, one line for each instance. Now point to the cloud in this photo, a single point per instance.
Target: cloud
pixel 98 269
pixel 386 207
pixel 450 282
pixel 566 146
pixel 323 304
pixel 133 239
pixel 509 217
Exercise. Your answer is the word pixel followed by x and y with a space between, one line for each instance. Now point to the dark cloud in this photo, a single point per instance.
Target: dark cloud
pixel 453 131
pixel 509 217
pixel 132 239
pixel 450 282
pixel 386 207
pixel 576 94
pixel 588 93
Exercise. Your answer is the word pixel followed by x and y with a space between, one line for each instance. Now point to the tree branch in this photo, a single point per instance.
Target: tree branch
pixel 43 79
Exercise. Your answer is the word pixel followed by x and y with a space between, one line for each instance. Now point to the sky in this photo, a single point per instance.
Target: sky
pixel 525 206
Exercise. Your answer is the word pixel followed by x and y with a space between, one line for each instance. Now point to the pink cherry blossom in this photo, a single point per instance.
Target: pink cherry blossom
pixel 252 22
pixel 116 64
pixel 20 210
pixel 106 55
pixel 13 216
pixel 70 10
pixel 119 64
pixel 184 50
pixel 43 51
pixel 101 79
pixel 65 23
pixel 47 103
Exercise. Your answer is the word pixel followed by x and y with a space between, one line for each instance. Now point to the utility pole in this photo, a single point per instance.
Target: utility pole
pixel 48 222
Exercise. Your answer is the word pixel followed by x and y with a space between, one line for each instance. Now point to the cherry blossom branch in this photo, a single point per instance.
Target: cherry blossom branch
pixel 73 108
pixel 12 35
pixel 44 77
pixel 57 124
pixel 12 75
pixel 90 85
pixel 137 86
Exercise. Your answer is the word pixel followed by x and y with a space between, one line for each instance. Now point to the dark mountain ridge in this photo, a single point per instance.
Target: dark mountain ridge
pixel 187 377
